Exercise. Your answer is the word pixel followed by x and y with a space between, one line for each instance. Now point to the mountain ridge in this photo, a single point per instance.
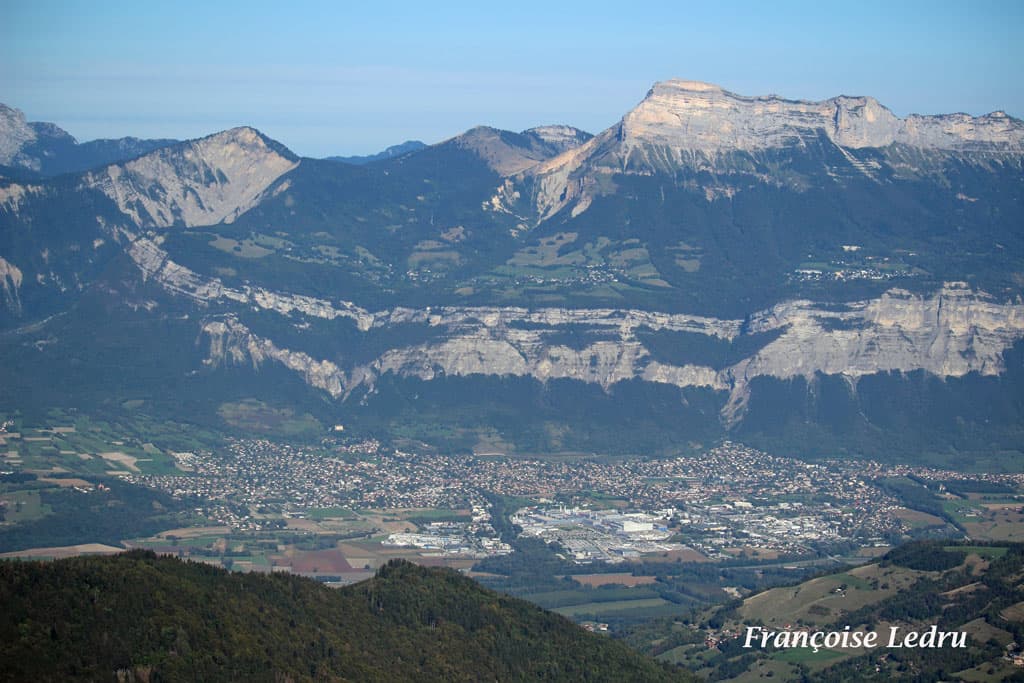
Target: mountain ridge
pixel 390 152
pixel 509 153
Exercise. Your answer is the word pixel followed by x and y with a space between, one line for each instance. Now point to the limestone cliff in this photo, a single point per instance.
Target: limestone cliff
pixel 948 334
pixel 232 343
pixel 12 196
pixel 688 115
pixel 10 284
pixel 952 333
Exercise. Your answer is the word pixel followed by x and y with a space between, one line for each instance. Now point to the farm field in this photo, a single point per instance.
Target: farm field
pixel 990 672
pixel 624 579
pixel 570 597
pixel 1014 612
pixel 63 444
pixel 998 523
pixel 601 608
pixel 61 552
pixel 803 655
pixel 820 600
pixel 919 519
pixel 23 506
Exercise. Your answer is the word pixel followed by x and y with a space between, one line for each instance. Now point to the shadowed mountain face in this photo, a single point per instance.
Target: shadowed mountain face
pixel 148 618
pixel 707 252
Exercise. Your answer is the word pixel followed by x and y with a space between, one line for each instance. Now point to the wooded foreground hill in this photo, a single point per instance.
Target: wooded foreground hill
pixel 140 617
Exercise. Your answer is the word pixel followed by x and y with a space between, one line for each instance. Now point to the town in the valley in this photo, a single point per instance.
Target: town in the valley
pixel 352 503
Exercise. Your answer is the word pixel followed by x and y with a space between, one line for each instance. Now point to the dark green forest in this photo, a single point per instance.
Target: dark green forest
pixel 137 616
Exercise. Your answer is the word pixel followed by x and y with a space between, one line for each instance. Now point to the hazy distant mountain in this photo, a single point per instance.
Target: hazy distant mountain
pixel 508 153
pixel 505 151
pixel 389 153
pixel 819 276
pixel 44 149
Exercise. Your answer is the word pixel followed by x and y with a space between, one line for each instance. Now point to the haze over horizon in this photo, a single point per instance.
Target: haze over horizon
pixel 354 80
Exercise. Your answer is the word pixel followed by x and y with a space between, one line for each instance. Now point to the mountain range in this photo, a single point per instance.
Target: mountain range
pixel 820 277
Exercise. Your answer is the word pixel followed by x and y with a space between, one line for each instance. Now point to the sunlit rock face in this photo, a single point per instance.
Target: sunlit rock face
pixel 15 133
pixel 203 182
pixel 700 126
pixel 10 284
pixel 689 115
pixel 949 334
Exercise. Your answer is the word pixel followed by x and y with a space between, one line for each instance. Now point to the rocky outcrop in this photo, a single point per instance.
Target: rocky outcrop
pixel 203 182
pixel 949 334
pixel 10 285
pixel 154 263
pixel 12 196
pixel 15 134
pixel 522 353
pixel 231 343
pixel 558 138
pixel 622 322
pixel 30 145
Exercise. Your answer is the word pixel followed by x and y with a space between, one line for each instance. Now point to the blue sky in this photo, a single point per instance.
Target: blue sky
pixel 345 78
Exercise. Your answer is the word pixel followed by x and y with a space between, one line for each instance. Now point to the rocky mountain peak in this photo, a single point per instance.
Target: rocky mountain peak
pixel 30 144
pixel 691 124
pixel 53 131
pixel 509 153
pixel 200 182
pixel 696 116
pixel 241 139
pixel 559 137
pixel 15 133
